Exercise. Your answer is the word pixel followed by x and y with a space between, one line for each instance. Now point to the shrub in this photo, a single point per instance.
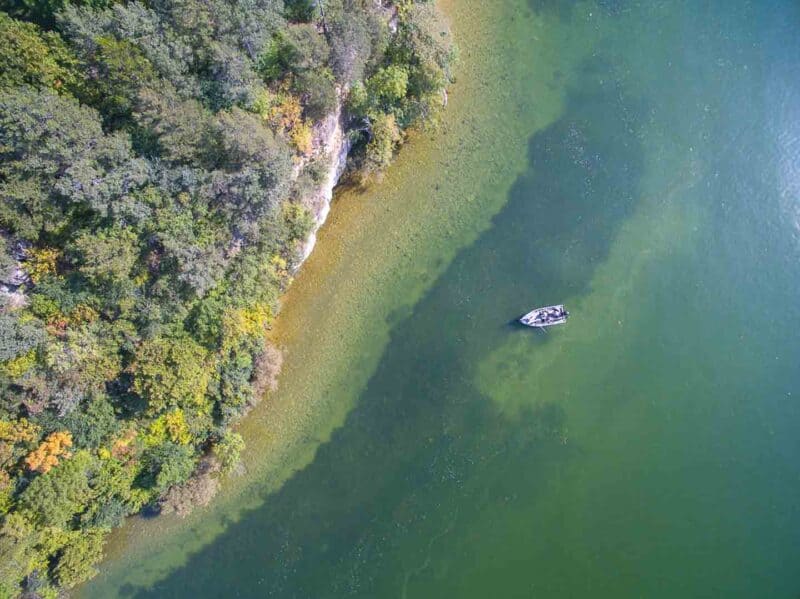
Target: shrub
pixel 381 146
pixel 198 491
pixel 266 370
pixel 228 449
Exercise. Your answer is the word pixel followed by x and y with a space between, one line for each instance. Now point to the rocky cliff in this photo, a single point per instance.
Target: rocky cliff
pixel 330 148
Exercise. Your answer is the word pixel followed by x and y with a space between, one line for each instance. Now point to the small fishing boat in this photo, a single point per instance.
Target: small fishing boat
pixel 545 317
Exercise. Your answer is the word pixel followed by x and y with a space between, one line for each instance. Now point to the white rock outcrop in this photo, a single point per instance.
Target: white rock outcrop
pixel 331 146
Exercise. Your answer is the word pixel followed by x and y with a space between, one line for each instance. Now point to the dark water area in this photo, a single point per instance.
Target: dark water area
pixel 650 447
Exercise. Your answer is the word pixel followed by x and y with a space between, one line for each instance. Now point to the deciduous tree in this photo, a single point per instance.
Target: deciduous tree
pixel 52 499
pixel 171 372
pixel 47 455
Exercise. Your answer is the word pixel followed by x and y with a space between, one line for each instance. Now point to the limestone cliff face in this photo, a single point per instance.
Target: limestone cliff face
pixel 330 148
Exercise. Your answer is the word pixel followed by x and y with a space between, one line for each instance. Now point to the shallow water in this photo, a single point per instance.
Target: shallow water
pixel 639 162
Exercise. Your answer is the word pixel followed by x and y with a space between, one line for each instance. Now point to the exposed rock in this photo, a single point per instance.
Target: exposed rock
pixel 13 277
pixel 330 148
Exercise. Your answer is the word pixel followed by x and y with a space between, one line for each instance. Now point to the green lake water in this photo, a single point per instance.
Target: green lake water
pixel 649 180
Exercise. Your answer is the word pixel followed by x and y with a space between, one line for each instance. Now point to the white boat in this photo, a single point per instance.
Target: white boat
pixel 545 317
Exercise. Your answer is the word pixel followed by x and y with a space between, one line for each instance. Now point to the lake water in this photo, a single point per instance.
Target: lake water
pixel 637 161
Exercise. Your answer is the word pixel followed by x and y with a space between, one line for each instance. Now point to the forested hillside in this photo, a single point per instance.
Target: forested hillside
pixel 154 157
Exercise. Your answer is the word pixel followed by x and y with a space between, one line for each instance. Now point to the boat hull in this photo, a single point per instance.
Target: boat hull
pixel 548 316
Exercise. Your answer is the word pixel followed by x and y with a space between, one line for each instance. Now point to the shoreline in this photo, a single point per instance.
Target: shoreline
pixel 370 273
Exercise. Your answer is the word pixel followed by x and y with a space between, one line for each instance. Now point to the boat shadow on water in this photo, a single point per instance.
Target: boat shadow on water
pixel 538 335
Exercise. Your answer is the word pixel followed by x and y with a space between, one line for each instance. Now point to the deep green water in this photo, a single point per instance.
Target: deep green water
pixel 650 448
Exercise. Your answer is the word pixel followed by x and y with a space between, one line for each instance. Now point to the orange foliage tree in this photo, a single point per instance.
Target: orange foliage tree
pixel 44 457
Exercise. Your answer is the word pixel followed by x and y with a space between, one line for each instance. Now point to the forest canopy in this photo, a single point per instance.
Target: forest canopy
pixel 154 157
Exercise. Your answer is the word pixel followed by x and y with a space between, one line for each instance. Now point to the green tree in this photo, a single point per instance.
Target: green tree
pixel 75 562
pixel 381 146
pixel 243 141
pixel 358 41
pixel 167 465
pixel 53 153
pixel 19 552
pixel 116 71
pixel 300 10
pixel 235 391
pixel 317 89
pixel 53 499
pixel 34 57
pixel 298 220
pixel 387 88
pixel 171 372
pixel 297 48
pixel 111 482
pixel 107 256
pixel 182 129
pixel 43 11
pixel 228 450
pixel 17 338
pixel 92 424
